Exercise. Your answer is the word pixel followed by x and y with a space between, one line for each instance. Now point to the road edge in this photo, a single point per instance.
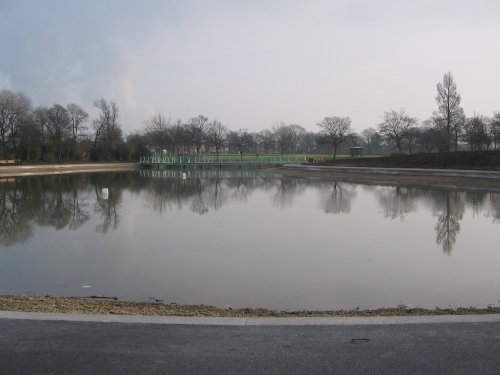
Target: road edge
pixel 233 321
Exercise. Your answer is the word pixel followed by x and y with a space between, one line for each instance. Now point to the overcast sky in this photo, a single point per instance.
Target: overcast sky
pixel 252 63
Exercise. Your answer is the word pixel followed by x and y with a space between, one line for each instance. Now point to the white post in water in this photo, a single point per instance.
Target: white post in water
pixel 105 193
pixel 183 176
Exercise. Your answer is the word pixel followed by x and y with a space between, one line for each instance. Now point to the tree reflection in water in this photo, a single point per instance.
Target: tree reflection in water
pixel 397 201
pixel 337 199
pixel 70 201
pixel 286 190
pixel 449 213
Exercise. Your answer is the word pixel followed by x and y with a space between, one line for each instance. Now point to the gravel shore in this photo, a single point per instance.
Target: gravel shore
pixel 43 169
pixel 72 305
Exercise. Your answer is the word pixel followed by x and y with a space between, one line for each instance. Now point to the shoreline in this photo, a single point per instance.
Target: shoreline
pixel 433 178
pixel 48 169
pixel 76 305
pixel 93 306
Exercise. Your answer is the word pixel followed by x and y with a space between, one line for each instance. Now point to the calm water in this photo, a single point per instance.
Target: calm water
pixel 249 239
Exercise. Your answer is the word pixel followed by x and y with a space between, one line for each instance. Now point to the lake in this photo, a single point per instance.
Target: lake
pixel 249 238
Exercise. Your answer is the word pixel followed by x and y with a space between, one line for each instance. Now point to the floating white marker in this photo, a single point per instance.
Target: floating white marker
pixel 86 286
pixel 183 176
pixel 105 193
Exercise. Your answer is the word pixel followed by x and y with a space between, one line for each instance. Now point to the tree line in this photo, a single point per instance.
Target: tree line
pixel 63 133
pixel 67 133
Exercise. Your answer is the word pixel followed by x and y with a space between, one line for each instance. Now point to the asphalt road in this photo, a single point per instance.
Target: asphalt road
pixel 66 347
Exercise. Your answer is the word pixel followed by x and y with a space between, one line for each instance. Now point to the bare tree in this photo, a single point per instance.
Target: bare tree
pixel 297 134
pixel 429 136
pixel 494 128
pixel 14 109
pixel 265 140
pixel 106 121
pixel 335 129
pixel 58 128
pixel 372 140
pixel 41 119
pixel 216 135
pixel 177 134
pixel 241 140
pixel 283 136
pixel 107 130
pixel 449 110
pixel 77 118
pixel 30 139
pixel 396 126
pixel 412 138
pixel 198 131
pixel 476 133
pixel 157 130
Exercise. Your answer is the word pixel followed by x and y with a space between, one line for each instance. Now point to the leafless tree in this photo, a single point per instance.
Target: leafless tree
pixel 198 131
pixel 283 136
pixel 476 133
pixel 241 140
pixel 14 109
pixel 216 135
pixel 77 118
pixel 107 131
pixel 429 136
pixel 177 134
pixel 106 122
pixel 372 140
pixel 41 119
pixel 297 133
pixel 265 141
pixel 396 126
pixel 157 130
pixel 412 138
pixel 335 129
pixel 494 128
pixel 449 110
pixel 58 128
pixel 307 142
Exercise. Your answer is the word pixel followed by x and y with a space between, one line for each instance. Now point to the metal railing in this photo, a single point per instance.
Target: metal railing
pixel 222 159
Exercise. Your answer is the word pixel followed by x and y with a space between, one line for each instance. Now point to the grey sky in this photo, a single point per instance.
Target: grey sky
pixel 253 63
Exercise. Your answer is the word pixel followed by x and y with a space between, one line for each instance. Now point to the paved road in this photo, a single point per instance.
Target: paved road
pixel 69 347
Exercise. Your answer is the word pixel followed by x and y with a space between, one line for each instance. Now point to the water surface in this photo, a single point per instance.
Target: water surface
pixel 248 238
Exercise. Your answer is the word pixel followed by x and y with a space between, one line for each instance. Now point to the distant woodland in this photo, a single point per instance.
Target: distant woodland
pixel 63 133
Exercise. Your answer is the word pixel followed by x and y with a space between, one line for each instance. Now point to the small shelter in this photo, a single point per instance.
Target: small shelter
pixel 356 151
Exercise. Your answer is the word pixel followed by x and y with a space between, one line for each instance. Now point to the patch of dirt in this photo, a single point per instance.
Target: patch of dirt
pixel 479 160
pixel 100 306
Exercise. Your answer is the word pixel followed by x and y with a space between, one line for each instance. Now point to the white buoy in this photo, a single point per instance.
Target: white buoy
pixel 183 175
pixel 105 193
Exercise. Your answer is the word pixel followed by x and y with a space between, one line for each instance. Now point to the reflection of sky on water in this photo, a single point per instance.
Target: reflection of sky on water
pixel 246 238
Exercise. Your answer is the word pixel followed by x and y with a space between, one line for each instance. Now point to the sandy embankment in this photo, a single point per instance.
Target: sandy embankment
pixel 43 169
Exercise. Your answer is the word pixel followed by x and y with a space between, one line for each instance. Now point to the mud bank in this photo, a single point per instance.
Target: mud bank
pixel 476 180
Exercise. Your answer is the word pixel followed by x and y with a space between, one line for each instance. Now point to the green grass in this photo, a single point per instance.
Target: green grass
pixel 252 158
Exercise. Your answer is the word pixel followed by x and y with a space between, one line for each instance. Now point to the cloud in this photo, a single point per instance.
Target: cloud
pixel 251 63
